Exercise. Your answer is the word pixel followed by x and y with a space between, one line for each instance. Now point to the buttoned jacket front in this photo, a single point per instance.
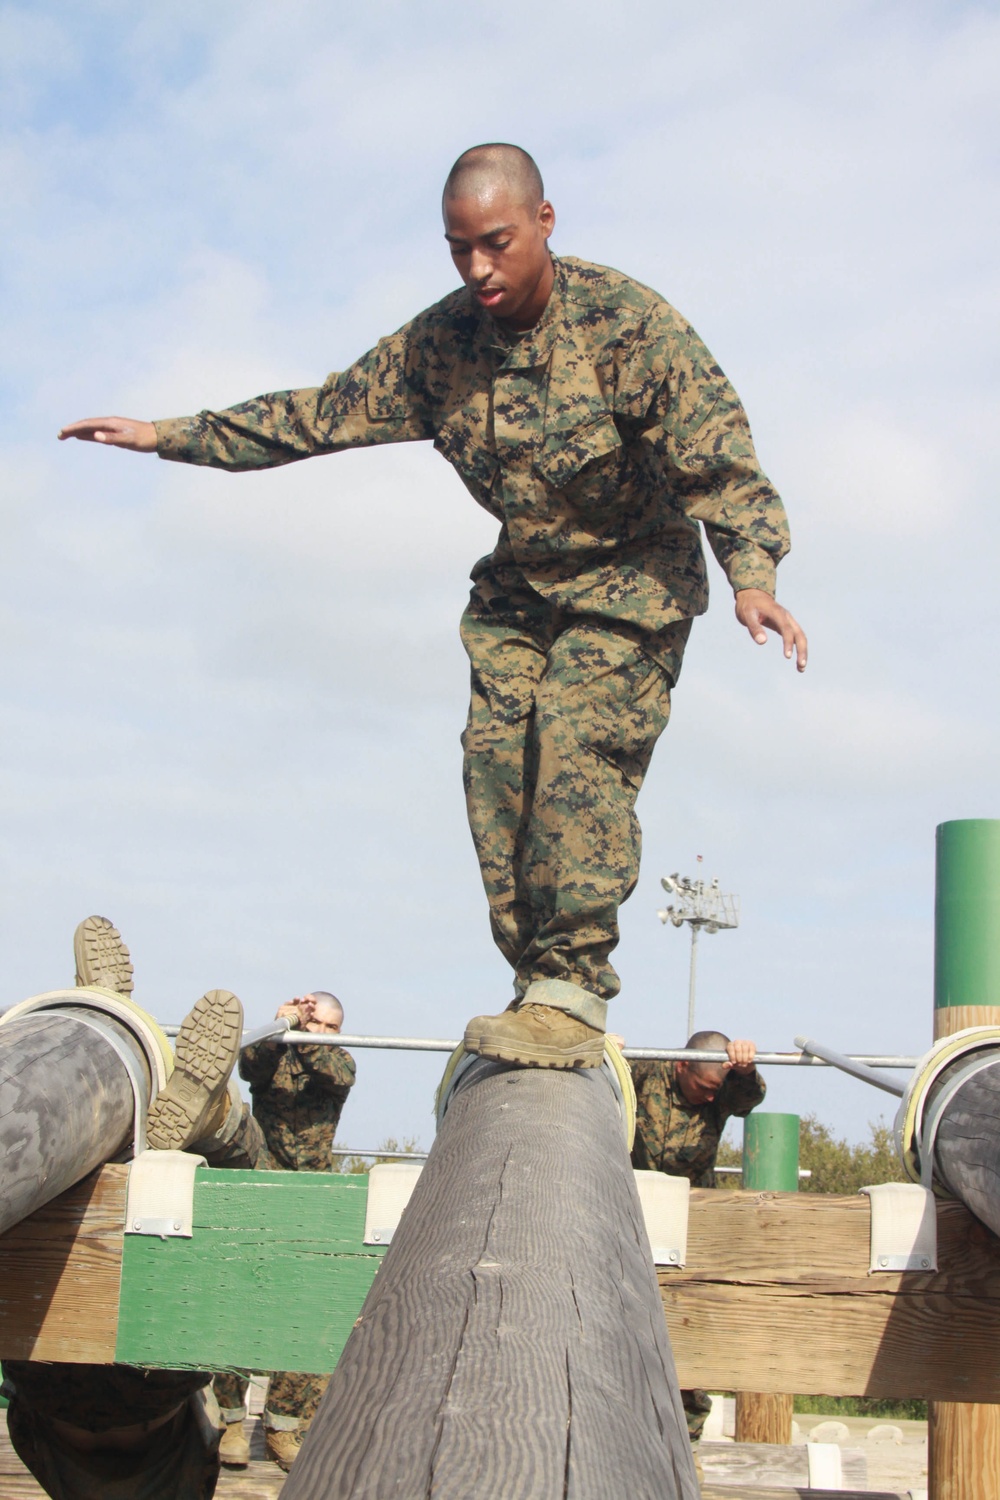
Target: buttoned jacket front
pixel 599 440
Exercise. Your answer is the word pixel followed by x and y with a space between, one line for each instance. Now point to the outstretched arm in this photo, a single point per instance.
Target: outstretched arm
pixel 116 432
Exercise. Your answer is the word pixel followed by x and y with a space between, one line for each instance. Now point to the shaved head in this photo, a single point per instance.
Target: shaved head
pixel 482 171
pixel 327 1007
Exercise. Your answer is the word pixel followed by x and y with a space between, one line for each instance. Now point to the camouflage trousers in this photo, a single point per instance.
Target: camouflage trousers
pixel 56 1408
pixel 697 1406
pixel 564 715
pixel 292 1398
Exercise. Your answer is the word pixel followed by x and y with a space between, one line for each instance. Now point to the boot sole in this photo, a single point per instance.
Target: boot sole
pixel 535 1056
pixel 208 1045
pixel 102 957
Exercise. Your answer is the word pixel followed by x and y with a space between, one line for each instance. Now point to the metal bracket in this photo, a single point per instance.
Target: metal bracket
pixel 904 1227
pixel 390 1187
pixel 665 1202
pixel 160 1197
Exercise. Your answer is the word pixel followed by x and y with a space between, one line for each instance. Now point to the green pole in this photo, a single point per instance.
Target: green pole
pixel 771 1153
pixel 967 913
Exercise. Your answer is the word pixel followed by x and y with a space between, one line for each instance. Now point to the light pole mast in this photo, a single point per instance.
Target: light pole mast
pixel 702 905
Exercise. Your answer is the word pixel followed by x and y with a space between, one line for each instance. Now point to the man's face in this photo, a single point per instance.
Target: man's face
pixel 324 1018
pixel 700 1082
pixel 500 249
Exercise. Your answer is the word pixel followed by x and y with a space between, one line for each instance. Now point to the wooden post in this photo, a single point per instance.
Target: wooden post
pixel 513 1343
pixel 770 1163
pixel 964 1437
pixel 66 1105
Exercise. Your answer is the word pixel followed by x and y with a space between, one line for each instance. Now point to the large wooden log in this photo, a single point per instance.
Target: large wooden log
pixel 66 1105
pixel 513 1342
pixel 967 1149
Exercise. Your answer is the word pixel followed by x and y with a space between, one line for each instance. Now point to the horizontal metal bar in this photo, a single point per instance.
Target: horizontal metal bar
pixel 643 1054
pixel 738 1171
pixel 382 1155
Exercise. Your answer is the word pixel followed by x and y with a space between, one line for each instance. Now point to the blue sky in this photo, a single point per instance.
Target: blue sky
pixel 231 705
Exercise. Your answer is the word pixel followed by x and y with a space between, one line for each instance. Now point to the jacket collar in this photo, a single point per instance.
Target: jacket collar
pixel 535 348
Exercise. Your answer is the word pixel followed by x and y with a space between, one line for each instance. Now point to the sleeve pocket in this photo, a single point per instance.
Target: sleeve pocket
pixel 386 394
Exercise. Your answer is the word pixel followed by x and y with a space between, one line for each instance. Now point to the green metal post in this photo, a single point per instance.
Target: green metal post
pixel 771 1153
pixel 967 913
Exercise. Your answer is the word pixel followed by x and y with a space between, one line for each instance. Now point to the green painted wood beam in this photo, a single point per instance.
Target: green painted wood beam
pixel 273 1278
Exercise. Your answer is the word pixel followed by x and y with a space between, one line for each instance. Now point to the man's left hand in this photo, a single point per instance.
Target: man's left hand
pixel 759 612
pixel 742 1056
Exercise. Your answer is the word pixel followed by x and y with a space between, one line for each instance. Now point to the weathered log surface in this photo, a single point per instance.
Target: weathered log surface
pixel 66 1106
pixel 967 1149
pixel 513 1343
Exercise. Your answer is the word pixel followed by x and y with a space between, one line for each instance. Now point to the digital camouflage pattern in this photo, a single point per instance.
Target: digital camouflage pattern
pixel 563 719
pixel 180 1460
pixel 298 1094
pixel 679 1138
pixel 294 1398
pixel 599 440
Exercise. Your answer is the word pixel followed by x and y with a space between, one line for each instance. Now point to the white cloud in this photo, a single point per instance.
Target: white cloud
pixel 231 704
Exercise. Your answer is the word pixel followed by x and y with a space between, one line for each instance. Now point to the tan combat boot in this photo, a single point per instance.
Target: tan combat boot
pixel 536 1036
pixel 282 1447
pixel 195 1101
pixel 102 958
pixel 234 1449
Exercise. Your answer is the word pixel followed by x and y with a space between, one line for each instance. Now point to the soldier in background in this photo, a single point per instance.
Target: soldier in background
pixel 298 1093
pixel 583 412
pixel 681 1112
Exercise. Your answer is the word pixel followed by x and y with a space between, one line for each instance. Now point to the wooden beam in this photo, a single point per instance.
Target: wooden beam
pixel 963 1449
pixel 763 1419
pixel 60 1274
pixel 272 1279
pixel 775 1296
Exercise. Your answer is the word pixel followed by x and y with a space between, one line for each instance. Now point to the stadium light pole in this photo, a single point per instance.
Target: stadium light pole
pixel 701 904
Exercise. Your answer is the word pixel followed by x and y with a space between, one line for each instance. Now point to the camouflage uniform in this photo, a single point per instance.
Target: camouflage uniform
pixel 682 1140
pixel 180 1461
pixel 599 440
pixel 298 1095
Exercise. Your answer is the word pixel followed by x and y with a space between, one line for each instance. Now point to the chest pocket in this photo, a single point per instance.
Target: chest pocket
pixel 460 441
pixel 585 463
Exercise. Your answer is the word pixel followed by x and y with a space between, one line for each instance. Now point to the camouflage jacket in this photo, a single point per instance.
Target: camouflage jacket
pixel 598 440
pixel 298 1094
pixel 679 1138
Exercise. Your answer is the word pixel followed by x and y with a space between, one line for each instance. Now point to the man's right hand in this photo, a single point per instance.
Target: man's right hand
pixel 296 1012
pixel 115 432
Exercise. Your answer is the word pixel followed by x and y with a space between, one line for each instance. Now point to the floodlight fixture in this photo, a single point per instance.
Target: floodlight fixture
pixel 704 906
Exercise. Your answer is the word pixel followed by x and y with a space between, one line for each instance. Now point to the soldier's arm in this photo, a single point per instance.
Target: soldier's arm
pixel 741 1093
pixel 332 1068
pixel 380 399
pixel 715 474
pixel 259 1063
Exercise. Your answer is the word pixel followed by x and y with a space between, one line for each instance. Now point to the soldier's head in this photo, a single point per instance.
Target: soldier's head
pixel 326 1012
pixel 497 222
pixel 699 1082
